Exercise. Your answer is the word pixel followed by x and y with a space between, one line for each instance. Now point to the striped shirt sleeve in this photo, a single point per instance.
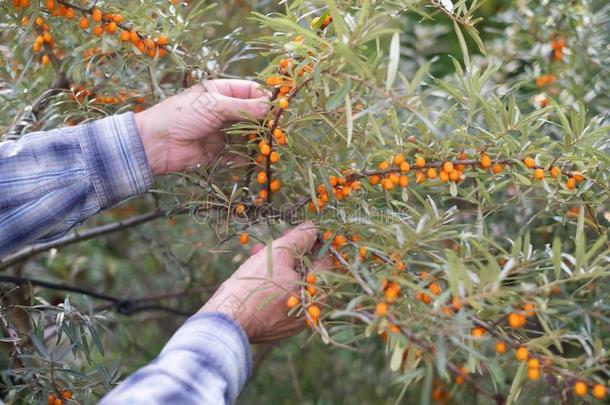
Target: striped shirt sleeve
pixel 52 181
pixel 207 361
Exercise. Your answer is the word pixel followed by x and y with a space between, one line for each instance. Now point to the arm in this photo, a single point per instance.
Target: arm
pixel 208 360
pixel 52 181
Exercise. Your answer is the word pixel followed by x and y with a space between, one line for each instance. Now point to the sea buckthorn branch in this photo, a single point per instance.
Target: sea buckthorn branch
pixel 457 370
pixel 515 344
pixel 77 237
pixel 141 41
pixel 124 306
pixel 270 133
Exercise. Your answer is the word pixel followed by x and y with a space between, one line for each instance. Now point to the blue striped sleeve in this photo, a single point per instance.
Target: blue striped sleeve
pixel 52 181
pixel 207 361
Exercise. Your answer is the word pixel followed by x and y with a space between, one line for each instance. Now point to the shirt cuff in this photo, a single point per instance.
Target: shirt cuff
pixel 115 158
pixel 219 342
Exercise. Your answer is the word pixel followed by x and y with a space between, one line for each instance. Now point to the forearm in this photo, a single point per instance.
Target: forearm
pixel 51 181
pixel 207 361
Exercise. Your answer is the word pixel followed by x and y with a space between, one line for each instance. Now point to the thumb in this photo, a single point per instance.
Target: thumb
pixel 237 109
pixel 301 238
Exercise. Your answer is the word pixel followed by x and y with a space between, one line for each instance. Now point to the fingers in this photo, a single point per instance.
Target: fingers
pixel 236 109
pixel 242 89
pixel 301 238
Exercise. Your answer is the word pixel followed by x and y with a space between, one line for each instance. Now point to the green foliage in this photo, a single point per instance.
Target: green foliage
pixel 417 78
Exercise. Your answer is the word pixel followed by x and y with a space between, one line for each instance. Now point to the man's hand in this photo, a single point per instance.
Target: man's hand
pixel 184 131
pixel 255 295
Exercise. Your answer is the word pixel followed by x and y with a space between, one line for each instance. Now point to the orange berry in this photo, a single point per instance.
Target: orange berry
pixel 394 177
pixel 497 168
pixel 444 176
pixel 58 402
pixel 149 43
pixel 478 332
pixel 36 47
pixel 45 59
pixel 383 165
pixel 405 167
pixel 456 304
pixel 500 347
pixel 432 174
pixel 539 174
pixel 47 37
pixel 387 184
pixel 420 177
pixel 522 354
pixel 83 23
pixel 485 161
pixel 50 4
pixel 403 181
pixel 292 301
pixel 261 177
pixel 448 167
pixel 599 391
pixel 529 309
pixel 571 183
pixel 69 13
pixel 398 159
pixel 66 394
pixel 555 172
pixel 124 36
pixel 340 240
pixel 244 238
pixel 285 90
pixel 314 311
pixel 580 389
pixel 533 363
pixel 274 157
pixel 362 252
pixel 374 180
pixel 420 162
pixel 275 185
pixel 283 103
pixel 240 209
pixel 529 162
pixel 98 30
pixel 51 399
pixel 134 37
pixel 118 18
pixel 533 373
pixel 311 290
pixel 265 149
pixel 516 320
pixel 454 175
pixel 435 289
pixel 578 177
pixel 311 278
pixel 381 309
pixel 162 40
pixel 327 235
pixel 96 14
pixel 111 27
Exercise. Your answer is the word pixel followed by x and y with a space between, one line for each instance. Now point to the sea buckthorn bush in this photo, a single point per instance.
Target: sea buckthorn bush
pixel 454 155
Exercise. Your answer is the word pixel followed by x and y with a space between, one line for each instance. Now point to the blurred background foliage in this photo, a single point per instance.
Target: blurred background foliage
pixel 176 260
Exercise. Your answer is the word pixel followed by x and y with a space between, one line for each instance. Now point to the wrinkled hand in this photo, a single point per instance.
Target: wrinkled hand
pixel 184 131
pixel 256 298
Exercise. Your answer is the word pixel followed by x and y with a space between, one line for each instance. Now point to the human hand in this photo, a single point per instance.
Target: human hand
pixel 256 297
pixel 184 131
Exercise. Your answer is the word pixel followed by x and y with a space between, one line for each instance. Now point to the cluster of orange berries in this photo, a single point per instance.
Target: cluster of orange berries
pixel 558 43
pixel 555 172
pixel 518 319
pixel 395 172
pixel 44 38
pixel 311 289
pixel 340 187
pixel 53 399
